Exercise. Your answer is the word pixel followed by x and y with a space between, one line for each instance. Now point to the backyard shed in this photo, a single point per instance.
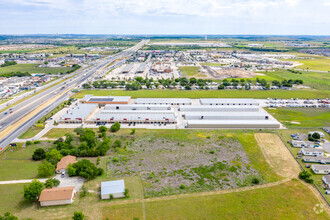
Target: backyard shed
pixel 115 188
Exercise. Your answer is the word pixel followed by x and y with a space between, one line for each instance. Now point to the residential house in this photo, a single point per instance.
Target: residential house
pixel 327 129
pixel 64 163
pixel 312 152
pixel 57 196
pixel 320 133
pixel 326 180
pixel 311 159
pixel 321 169
pixel 307 144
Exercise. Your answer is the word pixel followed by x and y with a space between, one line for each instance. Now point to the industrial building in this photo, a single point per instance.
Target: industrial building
pixel 224 108
pixel 141 68
pixel 239 102
pixel 163 101
pixel 105 100
pixel 115 188
pixel 78 113
pixel 127 68
pixel 232 124
pixel 138 107
pixel 137 117
pixel 226 116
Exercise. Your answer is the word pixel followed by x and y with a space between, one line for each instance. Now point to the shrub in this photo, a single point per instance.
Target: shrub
pixel 255 180
pixel 212 151
pixel 37 142
pixel 39 154
pixel 133 131
pixel 8 216
pixel 52 182
pixel 103 129
pixel 126 193
pixel 182 186
pixel 306 176
pixel 46 169
pixel 28 143
pixel 84 168
pixel 111 196
pixel 78 216
pixel 33 190
pixel 115 127
pixel 117 143
pixel 84 191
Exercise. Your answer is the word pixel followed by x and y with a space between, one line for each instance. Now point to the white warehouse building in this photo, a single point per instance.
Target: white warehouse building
pixel 138 107
pixel 239 102
pixel 224 108
pixel 163 101
pixel 226 116
pixel 232 124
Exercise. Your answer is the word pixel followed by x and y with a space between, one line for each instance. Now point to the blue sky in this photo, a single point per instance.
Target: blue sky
pixel 281 17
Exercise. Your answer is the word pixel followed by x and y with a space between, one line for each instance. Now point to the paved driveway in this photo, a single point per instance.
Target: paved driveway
pixel 76 181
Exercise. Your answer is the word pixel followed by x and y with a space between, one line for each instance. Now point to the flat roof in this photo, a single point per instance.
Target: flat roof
pixel 320 167
pixel 80 111
pixel 233 122
pixel 112 187
pixel 227 101
pixel 91 98
pixel 135 117
pixel 218 107
pixel 312 150
pixel 226 114
pixel 162 100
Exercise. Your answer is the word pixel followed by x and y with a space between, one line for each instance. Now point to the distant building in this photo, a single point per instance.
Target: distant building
pixel 321 169
pixel 318 132
pixel 312 152
pixel 307 144
pixel 104 100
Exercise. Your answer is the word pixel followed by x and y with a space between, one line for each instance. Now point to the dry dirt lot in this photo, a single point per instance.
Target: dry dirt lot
pixel 277 155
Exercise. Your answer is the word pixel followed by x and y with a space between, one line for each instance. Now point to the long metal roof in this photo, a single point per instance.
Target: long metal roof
pixel 206 101
pixel 112 187
pixel 79 111
pixel 162 100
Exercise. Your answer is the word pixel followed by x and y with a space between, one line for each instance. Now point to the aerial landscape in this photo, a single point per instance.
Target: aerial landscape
pixel 164 109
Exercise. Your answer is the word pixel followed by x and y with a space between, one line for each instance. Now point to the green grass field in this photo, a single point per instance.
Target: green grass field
pixel 189 71
pixel 18 164
pixel 196 94
pixel 212 64
pixel 317 63
pixel 33 68
pixel 302 117
pixel 278 202
pixel 31 132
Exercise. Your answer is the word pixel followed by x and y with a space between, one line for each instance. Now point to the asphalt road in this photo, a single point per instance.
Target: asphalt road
pixel 80 76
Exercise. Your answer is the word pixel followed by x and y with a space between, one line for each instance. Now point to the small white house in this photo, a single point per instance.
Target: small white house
pixel 326 180
pixel 307 144
pixel 115 188
pixel 321 169
pixel 312 152
pixel 320 133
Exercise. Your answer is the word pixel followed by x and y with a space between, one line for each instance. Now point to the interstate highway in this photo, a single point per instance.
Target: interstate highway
pixel 60 92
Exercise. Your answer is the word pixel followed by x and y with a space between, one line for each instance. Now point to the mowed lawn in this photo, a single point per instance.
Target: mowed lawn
pixel 196 94
pixel 33 68
pixel 31 132
pixel 302 117
pixel 18 164
pixel 277 202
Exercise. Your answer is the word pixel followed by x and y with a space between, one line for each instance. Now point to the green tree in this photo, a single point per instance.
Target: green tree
pixel 115 127
pixel 39 154
pixel 33 190
pixel 53 156
pixel 316 135
pixel 84 168
pixel 46 169
pixel 52 182
pixel 78 216
pixel 103 129
pixel 8 216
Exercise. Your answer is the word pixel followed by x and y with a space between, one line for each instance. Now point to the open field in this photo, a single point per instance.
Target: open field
pixel 277 155
pixel 277 202
pixel 33 68
pixel 212 64
pixel 195 94
pixel 285 135
pixel 189 71
pixel 18 164
pixel 302 117
pixel 317 63
pixel 31 132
